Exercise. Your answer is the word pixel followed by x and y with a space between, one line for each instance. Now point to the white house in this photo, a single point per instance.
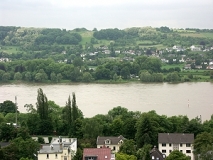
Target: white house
pixel 168 142
pixel 59 149
pixel 195 48
pixel 113 143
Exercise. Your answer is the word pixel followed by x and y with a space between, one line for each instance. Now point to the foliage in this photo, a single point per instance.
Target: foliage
pixel 7 107
pixel 122 156
pixel 144 152
pixel 177 155
pixel 203 145
pixel 128 147
pixel 41 140
pixel 42 105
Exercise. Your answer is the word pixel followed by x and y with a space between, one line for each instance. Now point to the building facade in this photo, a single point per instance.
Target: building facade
pixel 113 143
pixel 168 142
pixel 59 149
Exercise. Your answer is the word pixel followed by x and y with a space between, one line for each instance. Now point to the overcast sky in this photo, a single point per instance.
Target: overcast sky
pixel 101 14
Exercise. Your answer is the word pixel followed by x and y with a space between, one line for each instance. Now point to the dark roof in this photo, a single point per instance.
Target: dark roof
pixel 156 154
pixel 175 138
pixel 100 153
pixel 114 140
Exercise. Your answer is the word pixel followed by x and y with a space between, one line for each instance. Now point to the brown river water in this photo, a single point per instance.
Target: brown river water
pixel 191 99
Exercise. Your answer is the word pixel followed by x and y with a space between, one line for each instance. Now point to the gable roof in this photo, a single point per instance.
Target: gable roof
pixel 100 153
pixel 175 138
pixel 156 154
pixel 114 140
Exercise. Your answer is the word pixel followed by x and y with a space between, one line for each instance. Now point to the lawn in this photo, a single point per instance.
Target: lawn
pixel 10 49
pixel 167 66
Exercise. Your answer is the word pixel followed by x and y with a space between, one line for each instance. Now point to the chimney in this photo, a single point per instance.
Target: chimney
pixel 61 146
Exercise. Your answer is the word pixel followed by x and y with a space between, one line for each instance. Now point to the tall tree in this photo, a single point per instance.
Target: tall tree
pixel 74 108
pixel 69 113
pixel 42 105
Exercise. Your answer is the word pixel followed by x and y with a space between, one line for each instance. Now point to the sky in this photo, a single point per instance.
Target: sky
pixel 103 14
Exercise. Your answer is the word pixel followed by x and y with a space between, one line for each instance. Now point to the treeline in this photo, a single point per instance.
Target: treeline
pixel 40 70
pixel 140 129
pixel 51 36
pixel 145 69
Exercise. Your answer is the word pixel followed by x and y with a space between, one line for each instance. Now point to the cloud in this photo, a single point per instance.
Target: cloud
pixel 107 14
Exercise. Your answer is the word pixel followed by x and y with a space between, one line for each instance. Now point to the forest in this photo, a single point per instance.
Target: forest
pixel 139 128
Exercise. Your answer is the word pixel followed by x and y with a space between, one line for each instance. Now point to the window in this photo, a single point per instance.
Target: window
pixel 65 158
pixel 47 156
pixel 114 148
pixel 181 150
pixel 163 144
pixel 163 151
pixel 56 156
pixel 170 144
pixel 181 145
pixel 188 151
pixel 170 151
pixel 107 141
pixel 188 144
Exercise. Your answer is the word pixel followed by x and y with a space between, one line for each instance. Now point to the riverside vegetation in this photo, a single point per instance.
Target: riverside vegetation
pixel 106 55
pixel 140 129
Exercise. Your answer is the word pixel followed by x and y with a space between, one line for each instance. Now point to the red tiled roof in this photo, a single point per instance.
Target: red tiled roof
pixel 100 153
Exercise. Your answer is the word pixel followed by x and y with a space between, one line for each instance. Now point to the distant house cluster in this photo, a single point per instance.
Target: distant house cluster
pixel 107 147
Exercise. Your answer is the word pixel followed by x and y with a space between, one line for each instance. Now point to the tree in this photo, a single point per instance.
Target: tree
pixel 146 131
pixel 177 155
pixel 18 76
pixel 125 73
pixel 87 77
pixel 203 145
pixel 7 107
pixel 122 156
pixel 144 152
pixel 6 77
pixel 53 77
pixel 7 132
pixel 26 148
pixel 42 105
pixel 117 127
pixel 128 147
pixel 69 112
pixel 78 154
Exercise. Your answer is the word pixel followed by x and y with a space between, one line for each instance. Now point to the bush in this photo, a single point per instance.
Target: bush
pixel 41 140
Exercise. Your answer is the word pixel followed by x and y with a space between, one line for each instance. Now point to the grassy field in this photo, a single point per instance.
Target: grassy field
pixel 167 66
pixel 10 49
pixel 199 35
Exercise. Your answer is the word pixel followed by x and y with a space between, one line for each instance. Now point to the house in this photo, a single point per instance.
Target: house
pixel 209 67
pixel 198 67
pixel 98 154
pixel 113 143
pixel 177 48
pixel 60 148
pixel 155 154
pixel 195 48
pixel 168 142
pixel 187 66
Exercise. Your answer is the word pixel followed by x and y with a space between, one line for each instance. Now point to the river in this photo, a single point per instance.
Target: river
pixel 191 99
